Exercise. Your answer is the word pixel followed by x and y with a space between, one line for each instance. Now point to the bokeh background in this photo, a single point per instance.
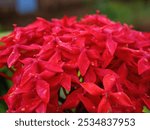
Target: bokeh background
pixel 23 12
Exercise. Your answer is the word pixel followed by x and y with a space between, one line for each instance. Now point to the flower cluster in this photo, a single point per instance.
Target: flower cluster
pixel 65 65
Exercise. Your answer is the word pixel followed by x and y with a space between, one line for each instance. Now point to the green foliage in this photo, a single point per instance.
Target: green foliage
pixel 130 12
pixel 3 107
pixel 146 110
pixel 4 34
pixel 5 84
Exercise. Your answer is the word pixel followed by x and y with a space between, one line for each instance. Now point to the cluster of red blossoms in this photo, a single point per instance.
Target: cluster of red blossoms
pixel 65 65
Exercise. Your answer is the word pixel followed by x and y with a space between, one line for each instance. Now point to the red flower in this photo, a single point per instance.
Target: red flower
pixel 65 65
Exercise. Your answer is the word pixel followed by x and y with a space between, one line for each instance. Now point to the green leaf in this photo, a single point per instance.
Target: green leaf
pixel 81 79
pixel 3 107
pixel 73 110
pixel 5 84
pixel 4 34
pixel 61 93
pixel 79 74
pixel 146 110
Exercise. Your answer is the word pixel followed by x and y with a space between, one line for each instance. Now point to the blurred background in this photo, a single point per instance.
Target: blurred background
pixel 23 12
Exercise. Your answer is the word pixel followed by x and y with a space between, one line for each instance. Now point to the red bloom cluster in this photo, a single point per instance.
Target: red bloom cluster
pixel 65 65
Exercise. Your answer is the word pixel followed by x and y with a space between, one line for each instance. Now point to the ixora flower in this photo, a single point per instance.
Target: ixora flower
pixel 65 65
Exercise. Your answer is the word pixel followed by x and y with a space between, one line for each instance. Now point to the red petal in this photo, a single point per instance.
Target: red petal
pixel 111 46
pixel 93 53
pixel 80 42
pixel 72 101
pixel 125 54
pixel 90 107
pixel 103 72
pixel 26 77
pixel 54 67
pixel 90 75
pixel 143 65
pixel 66 82
pixel 123 71
pixel 31 47
pixel 92 88
pixel 146 100
pixel 47 74
pixel 55 80
pixel 43 90
pixel 55 58
pixel 109 81
pixel 83 63
pixel 65 47
pixel 121 98
pixel 41 108
pixel 107 58
pixel 5 52
pixel 13 58
pixel 104 106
